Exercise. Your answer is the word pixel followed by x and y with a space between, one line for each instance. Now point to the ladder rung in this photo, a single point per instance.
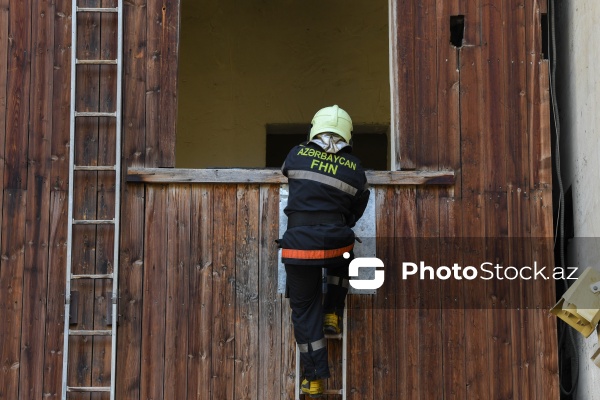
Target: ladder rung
pixel 336 336
pixel 93 221
pixel 92 276
pixel 95 62
pixel 95 114
pixel 94 167
pixel 98 9
pixel 92 332
pixel 333 391
pixel 89 389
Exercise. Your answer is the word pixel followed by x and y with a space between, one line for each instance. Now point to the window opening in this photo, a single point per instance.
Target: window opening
pixel 243 65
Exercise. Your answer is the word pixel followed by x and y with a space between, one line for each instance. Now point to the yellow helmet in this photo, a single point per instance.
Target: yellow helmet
pixel 332 119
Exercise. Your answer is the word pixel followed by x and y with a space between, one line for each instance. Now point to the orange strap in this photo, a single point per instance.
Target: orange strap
pixel 315 254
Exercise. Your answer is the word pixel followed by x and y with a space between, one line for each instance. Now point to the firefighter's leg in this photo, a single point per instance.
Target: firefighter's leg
pixel 305 291
pixel 335 298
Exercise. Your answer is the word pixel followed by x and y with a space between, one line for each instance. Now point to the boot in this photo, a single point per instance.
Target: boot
pixel 332 323
pixel 312 388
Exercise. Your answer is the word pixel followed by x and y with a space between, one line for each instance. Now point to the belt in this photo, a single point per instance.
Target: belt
pixel 306 218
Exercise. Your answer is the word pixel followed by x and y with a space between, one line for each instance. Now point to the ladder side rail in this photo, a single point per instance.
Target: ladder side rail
pixel 297 385
pixel 117 225
pixel 344 352
pixel 70 198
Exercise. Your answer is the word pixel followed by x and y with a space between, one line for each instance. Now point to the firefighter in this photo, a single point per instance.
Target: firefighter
pixel 328 193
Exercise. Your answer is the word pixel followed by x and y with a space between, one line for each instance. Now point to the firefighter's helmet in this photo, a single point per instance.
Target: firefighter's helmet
pixel 332 119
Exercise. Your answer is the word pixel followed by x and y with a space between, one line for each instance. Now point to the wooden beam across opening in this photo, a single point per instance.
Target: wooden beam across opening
pixel 244 175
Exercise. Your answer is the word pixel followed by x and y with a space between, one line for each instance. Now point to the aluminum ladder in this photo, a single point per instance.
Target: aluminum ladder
pixel 340 336
pixel 116 169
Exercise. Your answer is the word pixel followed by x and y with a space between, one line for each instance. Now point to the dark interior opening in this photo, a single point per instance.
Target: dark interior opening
pixel 457 30
pixel 369 144
pixel 545 33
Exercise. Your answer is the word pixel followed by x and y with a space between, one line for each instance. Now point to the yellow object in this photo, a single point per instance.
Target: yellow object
pixel 332 119
pixel 580 306
pixel 313 388
pixel 331 323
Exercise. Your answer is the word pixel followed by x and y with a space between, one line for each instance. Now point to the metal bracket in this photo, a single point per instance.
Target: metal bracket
pixel 595 287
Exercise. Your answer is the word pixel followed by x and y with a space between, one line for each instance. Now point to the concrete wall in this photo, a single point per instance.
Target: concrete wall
pixel 244 64
pixel 578 94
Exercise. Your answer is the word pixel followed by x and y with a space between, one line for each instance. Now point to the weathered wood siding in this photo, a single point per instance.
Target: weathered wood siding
pixel 35 55
pixel 199 314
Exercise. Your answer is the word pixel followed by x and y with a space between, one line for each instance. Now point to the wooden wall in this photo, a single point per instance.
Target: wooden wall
pixel 35 55
pixel 199 316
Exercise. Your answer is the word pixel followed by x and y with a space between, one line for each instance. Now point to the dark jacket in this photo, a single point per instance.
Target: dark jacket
pixel 321 182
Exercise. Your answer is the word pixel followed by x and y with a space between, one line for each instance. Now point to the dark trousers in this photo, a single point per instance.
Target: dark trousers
pixel 305 290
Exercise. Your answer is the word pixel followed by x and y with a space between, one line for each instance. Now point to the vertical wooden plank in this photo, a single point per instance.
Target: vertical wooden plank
pixel 498 296
pixel 334 355
pixel 61 97
pixel 161 97
pixel 131 270
pixel 38 199
pixel 4 40
pixel 288 352
pixel 53 355
pixel 544 159
pixel 53 352
pixel 517 159
pixel 12 267
pixel 407 312
pixel 385 352
pixel 540 168
pixel 471 125
pixel 471 9
pixel 550 379
pixel 178 277
pixel 169 68
pixel 134 82
pixel 430 314
pixel 476 351
pixel 426 79
pixel 544 295
pixel 4 50
pixel 247 292
pixel 452 300
pixel 269 312
pixel 18 88
pixel 448 92
pixel 473 220
pixel 523 349
pixel 404 116
pixel 153 56
pixel 450 217
pixel 224 244
pixel 155 293
pixel 201 294
pixel 538 117
pixel 360 344
pixel 493 107
pixel 497 293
